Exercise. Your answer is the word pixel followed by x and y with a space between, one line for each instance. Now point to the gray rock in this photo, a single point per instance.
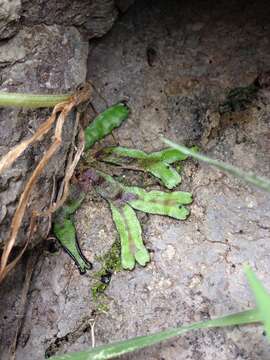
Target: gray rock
pixel 196 269
pixel 94 17
pixel 124 5
pixel 9 17
pixel 40 59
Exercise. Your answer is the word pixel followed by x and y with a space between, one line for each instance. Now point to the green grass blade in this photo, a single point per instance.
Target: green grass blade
pixel 248 177
pixel 168 155
pixel 31 100
pixel 262 298
pixel 123 347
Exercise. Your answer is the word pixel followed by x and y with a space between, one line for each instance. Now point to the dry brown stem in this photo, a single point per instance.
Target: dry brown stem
pixel 65 109
pixel 8 159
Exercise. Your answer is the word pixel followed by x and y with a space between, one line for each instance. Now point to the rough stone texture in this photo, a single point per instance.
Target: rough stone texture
pixel 93 17
pixel 40 59
pixel 9 17
pixel 196 270
pixel 123 5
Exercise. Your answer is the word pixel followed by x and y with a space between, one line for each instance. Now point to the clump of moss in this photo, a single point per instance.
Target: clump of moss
pixel 111 263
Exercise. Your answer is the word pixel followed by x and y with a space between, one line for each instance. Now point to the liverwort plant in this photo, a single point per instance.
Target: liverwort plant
pixel 123 200
pixel 63 224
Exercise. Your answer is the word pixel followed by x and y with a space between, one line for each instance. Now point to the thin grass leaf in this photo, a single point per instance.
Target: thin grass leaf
pixel 262 298
pixel 31 100
pixel 250 178
pixel 123 347
pixel 169 155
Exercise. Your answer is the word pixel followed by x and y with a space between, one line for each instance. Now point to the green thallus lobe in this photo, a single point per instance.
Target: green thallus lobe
pixel 65 232
pixel 129 229
pixel 157 163
pixel 104 123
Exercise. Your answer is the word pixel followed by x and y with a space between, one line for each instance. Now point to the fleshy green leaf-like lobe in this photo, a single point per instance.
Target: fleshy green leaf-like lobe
pixel 129 229
pixel 167 174
pixel 156 163
pixel 104 124
pixel 66 234
pixel 64 228
pixel 161 203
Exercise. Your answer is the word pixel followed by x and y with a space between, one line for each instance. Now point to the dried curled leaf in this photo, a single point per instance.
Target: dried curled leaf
pixel 157 163
pixel 130 232
pixel 63 109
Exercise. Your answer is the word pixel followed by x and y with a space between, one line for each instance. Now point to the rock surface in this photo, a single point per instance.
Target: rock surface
pixel 9 17
pixel 39 59
pixel 94 17
pixel 47 55
pixel 199 51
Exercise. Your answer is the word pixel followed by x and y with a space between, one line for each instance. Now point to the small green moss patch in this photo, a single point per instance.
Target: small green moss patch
pixel 111 263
